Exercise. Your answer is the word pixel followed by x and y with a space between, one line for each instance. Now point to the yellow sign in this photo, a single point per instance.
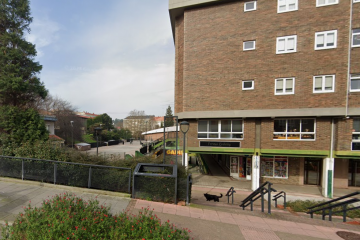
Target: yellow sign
pixel 173 152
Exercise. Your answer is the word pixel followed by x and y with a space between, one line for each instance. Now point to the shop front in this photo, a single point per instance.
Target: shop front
pixel 354 173
pixel 240 167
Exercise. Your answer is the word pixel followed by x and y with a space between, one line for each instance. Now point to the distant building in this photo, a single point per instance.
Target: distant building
pixel 83 117
pixel 139 124
pixel 50 126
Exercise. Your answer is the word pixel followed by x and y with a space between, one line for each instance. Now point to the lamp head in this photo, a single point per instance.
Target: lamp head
pixel 184 127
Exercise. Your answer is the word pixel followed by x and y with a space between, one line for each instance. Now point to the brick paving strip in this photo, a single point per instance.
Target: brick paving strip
pixel 252 227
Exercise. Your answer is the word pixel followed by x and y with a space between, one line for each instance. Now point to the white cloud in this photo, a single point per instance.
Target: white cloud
pixel 43 33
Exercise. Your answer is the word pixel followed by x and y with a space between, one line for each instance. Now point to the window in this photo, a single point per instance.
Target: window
pixel 286 44
pixel 355 83
pixel 356 1
pixel 249 45
pixel 325 40
pixel 248 85
pixel 287 5
pixel 294 129
pixel 320 3
pixel 250 6
pixel 220 129
pixel 355 145
pixel 325 83
pixel 284 86
pixel 356 38
pixel 275 167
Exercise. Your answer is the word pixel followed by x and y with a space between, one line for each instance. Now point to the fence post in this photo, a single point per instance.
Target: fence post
pixel 262 199
pixel 55 170
pixel 187 189
pixel 129 181
pixel 22 169
pixel 89 182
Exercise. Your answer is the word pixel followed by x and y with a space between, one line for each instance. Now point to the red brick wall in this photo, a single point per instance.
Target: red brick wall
pixel 354 98
pixel 343 134
pixel 214 63
pixel 179 63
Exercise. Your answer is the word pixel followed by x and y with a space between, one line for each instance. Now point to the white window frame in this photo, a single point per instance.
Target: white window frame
pixel 287 134
pixel 287 6
pixel 249 49
pixel 284 86
pixel 353 140
pixel 353 35
pixel 325 33
pixel 219 129
pixel 355 1
pixel 262 159
pixel 356 77
pixel 252 86
pixel 323 90
pixel 326 3
pixel 249 10
pixel 286 40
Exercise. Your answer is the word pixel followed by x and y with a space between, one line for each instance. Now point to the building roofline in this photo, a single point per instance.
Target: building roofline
pixel 177 7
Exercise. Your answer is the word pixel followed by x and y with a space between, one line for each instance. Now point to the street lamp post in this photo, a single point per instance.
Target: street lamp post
pixel 97 130
pixel 72 134
pixel 184 127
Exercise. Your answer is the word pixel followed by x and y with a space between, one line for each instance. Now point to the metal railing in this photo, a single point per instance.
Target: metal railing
pixel 229 193
pixel 329 206
pixel 279 195
pixel 265 188
pixel 109 178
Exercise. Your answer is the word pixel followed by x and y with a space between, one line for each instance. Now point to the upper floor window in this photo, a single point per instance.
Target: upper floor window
pixel 284 86
pixel 325 40
pixel 250 6
pixel 355 145
pixel 294 129
pixel 356 1
pixel 356 38
pixel 287 5
pixel 320 3
pixel 324 83
pixel 248 85
pixel 355 83
pixel 216 129
pixel 286 44
pixel 249 45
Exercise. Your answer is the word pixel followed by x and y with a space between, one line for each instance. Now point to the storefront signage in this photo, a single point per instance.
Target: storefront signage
pixel 219 144
pixel 173 152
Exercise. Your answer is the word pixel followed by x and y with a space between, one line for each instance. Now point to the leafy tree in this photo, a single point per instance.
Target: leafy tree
pixel 169 120
pixel 103 119
pixel 21 125
pixel 19 82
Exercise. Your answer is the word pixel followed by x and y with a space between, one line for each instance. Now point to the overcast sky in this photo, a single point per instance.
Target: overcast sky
pixel 109 56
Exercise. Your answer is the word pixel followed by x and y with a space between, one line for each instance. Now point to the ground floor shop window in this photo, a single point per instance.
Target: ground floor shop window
pixel 276 167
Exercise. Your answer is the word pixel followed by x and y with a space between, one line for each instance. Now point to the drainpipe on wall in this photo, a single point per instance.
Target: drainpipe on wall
pixel 349 60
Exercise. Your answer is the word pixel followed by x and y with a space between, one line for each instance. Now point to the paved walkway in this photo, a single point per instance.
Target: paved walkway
pixel 214 224
pixel 206 220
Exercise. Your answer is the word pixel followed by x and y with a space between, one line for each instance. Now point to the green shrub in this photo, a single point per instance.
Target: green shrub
pixel 303 205
pixel 66 216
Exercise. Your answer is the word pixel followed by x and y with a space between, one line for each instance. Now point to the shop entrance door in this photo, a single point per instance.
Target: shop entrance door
pixel 312 173
pixel 234 166
pixel 354 173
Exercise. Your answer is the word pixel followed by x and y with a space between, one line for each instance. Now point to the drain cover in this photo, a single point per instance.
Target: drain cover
pixel 348 235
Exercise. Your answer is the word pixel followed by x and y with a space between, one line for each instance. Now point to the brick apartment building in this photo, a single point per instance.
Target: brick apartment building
pixel 271 88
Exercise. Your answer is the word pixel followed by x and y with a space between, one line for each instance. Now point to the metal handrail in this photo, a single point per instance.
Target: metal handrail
pixel 328 206
pixel 229 193
pixel 279 195
pixel 259 193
